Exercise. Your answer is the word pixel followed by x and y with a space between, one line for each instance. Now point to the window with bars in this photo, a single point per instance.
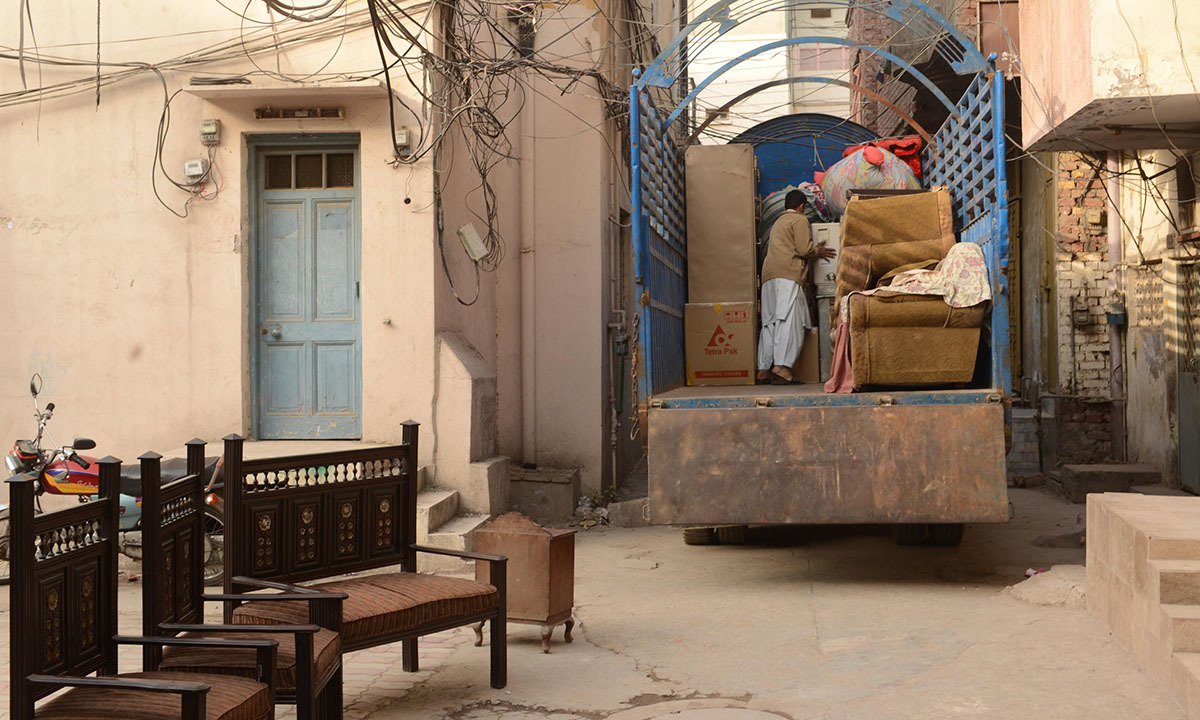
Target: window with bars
pixel 820 57
pixel 308 170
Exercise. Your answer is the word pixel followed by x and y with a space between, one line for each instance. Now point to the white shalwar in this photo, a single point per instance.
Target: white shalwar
pixel 785 318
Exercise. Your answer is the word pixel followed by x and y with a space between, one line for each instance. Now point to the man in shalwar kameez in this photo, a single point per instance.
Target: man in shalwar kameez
pixel 785 315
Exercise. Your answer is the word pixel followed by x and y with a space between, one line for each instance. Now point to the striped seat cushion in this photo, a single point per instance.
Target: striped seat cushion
pixel 229 698
pixel 243 662
pixel 379 606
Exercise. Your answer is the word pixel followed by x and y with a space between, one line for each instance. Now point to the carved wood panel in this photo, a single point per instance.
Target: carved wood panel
pixel 347 535
pixel 265 531
pixel 51 607
pixel 86 591
pixel 306 519
pixel 384 510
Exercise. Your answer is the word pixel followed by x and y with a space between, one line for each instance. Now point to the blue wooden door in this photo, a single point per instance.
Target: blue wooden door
pixel 308 365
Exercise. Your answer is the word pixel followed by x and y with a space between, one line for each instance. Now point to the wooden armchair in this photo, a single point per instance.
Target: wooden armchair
pixel 64 624
pixel 315 517
pixel 308 670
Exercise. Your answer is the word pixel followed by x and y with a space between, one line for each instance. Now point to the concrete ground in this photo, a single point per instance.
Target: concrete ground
pixel 833 623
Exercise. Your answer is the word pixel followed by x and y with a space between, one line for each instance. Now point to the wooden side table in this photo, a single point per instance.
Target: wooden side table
pixel 541 572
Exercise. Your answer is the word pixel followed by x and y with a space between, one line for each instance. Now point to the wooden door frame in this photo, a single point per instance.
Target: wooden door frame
pixel 279 141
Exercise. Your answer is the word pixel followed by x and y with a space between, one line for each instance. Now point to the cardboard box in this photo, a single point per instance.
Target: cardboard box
pixel 720 342
pixel 808 366
pixel 721 244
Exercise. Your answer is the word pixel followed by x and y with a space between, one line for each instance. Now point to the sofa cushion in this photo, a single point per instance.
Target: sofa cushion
pixel 243 662
pixel 899 219
pixel 902 310
pixel 379 606
pixel 228 698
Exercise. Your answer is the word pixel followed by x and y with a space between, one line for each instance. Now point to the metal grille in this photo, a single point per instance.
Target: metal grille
pixel 660 259
pixel 339 170
pixel 968 156
pixel 1145 296
pixel 1182 276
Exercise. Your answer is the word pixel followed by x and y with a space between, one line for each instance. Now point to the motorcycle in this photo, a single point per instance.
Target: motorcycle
pixel 63 471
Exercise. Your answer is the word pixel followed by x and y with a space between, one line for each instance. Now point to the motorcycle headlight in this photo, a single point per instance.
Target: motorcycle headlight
pixel 13 464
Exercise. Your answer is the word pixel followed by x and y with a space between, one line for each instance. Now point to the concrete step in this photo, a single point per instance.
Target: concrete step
pixel 424 475
pixel 1181 628
pixel 457 534
pixel 435 507
pixel 1078 481
pixel 1185 681
pixel 1159 490
pixel 1178 581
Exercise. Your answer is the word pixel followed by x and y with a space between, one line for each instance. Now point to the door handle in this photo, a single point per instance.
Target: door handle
pixel 273 331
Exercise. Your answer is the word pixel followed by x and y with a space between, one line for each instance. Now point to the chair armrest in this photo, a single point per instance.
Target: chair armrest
pixel 203 642
pixel 324 608
pixel 276 597
pixel 266 651
pixel 271 584
pixel 459 554
pixel 160 686
pixel 305 629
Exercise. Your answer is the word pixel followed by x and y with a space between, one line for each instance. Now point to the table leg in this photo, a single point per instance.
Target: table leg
pixel 478 633
pixel 547 631
pixel 567 632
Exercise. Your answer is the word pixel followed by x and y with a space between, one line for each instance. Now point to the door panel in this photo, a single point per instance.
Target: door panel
pixel 308 375
pixel 283 367
pixel 336 377
pixel 334 258
pixel 283 262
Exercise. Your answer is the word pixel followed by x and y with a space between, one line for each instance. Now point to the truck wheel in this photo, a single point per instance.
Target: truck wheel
pixel 909 534
pixel 732 534
pixel 948 535
pixel 698 536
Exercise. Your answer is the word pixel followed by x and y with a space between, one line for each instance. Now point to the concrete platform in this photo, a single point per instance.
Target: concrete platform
pixel 1143 581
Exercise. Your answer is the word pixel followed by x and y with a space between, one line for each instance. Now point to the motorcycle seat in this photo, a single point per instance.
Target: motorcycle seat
pixel 172 470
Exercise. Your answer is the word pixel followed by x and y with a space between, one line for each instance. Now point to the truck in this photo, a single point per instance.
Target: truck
pixel 926 461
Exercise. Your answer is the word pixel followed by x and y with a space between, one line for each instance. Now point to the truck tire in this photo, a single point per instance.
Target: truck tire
pixel 909 534
pixel 732 534
pixel 698 536
pixel 947 535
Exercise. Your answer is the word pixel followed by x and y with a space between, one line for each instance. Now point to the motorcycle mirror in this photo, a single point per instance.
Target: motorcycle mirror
pixel 49 407
pixel 83 444
pixel 35 384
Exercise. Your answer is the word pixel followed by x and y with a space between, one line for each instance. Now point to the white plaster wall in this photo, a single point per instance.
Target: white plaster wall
pixel 136 319
pixel 1144 48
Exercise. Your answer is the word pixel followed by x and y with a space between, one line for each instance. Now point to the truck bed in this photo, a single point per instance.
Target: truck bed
pixel 813 395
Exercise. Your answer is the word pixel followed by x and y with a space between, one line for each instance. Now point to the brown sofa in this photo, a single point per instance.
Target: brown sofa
pixel 903 339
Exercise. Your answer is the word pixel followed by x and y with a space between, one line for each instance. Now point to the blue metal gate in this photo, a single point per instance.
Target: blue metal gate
pixel 968 157
pixel 660 255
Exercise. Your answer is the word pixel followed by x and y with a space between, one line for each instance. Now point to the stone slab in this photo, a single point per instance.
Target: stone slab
pixel 1079 481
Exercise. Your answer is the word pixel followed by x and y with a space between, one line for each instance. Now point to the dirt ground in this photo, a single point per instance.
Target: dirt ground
pixel 830 623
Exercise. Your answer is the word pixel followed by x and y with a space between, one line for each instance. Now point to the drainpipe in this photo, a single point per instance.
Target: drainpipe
pixel 1116 345
pixel 528 284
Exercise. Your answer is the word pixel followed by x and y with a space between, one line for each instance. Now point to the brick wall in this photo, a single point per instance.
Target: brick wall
pixel 1084 432
pixel 1084 423
pixel 1081 273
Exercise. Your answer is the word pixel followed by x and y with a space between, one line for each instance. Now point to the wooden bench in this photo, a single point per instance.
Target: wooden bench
pixel 64 626
pixel 294 521
pixel 308 669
